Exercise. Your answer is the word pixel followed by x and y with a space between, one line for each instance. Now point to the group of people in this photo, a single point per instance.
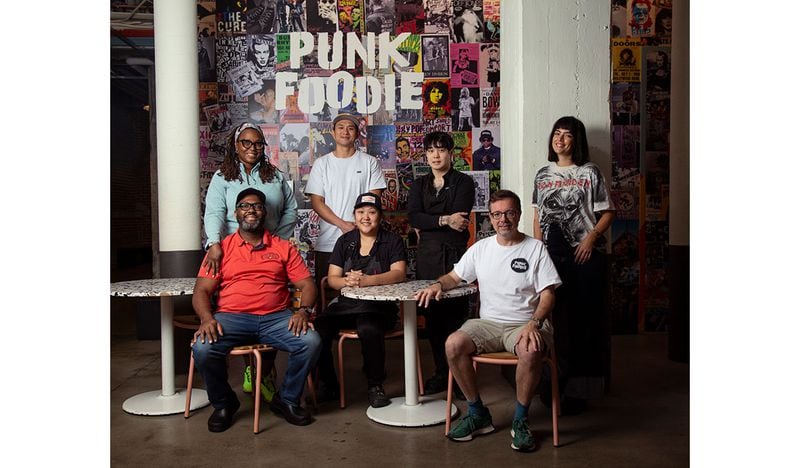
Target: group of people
pixel 530 287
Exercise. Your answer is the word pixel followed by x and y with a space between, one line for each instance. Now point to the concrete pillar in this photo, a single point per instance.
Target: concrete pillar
pixel 678 267
pixel 177 123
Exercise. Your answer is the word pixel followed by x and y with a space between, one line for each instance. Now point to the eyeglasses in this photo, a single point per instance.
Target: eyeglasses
pixel 510 214
pixel 247 144
pixel 244 206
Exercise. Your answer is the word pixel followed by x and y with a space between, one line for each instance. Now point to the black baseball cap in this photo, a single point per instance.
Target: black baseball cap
pixel 368 198
pixel 486 134
pixel 251 191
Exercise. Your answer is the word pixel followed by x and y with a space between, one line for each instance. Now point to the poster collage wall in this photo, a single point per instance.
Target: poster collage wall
pixel 453 44
pixel 641 32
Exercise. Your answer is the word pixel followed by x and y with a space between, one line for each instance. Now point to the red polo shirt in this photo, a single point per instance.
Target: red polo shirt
pixel 253 279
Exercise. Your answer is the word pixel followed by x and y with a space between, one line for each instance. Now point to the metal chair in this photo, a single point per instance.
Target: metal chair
pixel 192 322
pixel 509 359
pixel 351 334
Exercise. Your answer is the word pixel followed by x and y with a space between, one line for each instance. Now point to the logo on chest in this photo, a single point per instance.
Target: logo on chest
pixel 269 256
pixel 520 265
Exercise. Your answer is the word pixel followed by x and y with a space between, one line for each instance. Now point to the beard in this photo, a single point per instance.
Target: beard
pixel 254 226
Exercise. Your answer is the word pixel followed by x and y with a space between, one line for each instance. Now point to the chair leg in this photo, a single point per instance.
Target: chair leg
pixel 189 386
pixel 448 417
pixel 311 391
pixel 341 373
pixel 257 391
pixel 556 399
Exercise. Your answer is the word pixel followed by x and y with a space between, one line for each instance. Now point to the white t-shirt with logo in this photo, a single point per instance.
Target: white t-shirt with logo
pixel 340 181
pixel 510 278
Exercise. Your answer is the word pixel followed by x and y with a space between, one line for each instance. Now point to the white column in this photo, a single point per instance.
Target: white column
pixel 177 123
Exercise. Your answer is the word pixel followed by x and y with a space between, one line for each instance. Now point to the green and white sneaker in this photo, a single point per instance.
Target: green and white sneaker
pixel 472 424
pixel 521 437
pixel 268 389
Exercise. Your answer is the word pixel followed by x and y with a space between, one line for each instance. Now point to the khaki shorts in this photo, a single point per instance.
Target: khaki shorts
pixel 493 337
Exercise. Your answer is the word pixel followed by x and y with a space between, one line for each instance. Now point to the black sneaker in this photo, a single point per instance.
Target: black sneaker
pixel 436 384
pixel 377 397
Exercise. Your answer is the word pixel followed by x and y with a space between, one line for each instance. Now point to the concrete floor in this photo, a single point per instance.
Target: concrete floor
pixel 642 422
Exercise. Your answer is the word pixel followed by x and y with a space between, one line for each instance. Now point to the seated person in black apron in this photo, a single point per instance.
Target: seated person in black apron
pixel 366 256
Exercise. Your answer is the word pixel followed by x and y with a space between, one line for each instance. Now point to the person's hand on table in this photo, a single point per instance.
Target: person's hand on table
pixel 298 322
pixel 213 259
pixel 353 278
pixel 209 330
pixel 530 339
pixel 423 296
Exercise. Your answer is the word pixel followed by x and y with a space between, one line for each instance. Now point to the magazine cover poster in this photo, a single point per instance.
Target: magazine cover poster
pixel 658 70
pixel 663 36
pixel 481 181
pixel 409 16
pixel 321 134
pixel 462 151
pixel 436 99
pixel 259 17
pixel 230 20
pixel 207 97
pixel 464 65
pixel 481 228
pixel 435 56
pixel 206 18
pixel 381 144
pixel 625 145
pixel 625 103
pixel 290 16
pixel 261 55
pixel 641 18
pixel 380 16
pixel 409 142
pixel 231 53
pixel 627 203
pixel 272 137
pixel 489 65
pixel 261 105
pixel 619 18
pixel 282 50
pixel 438 16
pixel 624 178
pixel 626 60
pixel 491 20
pixel 437 125
pixel 238 113
pixel 292 113
pixel 321 16
pixel 389 196
pixel 307 228
pixel 207 58
pixel 288 164
pixel 494 181
pixel 486 148
pixel 405 176
pixel 466 112
pixel 294 138
pixel 351 16
pixel 624 293
pixel 467 20
pixel 490 107
pixel 218 118
pixel 244 81
pixel 410 49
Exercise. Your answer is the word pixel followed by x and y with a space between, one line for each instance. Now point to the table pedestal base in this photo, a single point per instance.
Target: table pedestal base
pixel 155 404
pixel 428 412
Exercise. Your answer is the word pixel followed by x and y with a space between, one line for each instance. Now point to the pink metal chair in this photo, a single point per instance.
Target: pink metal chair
pixel 509 359
pixel 191 322
pixel 351 334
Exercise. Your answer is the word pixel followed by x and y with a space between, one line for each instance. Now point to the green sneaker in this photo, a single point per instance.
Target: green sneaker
pixel 521 437
pixel 247 382
pixel 472 424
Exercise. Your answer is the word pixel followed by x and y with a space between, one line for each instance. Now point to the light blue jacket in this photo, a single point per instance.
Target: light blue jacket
pixel 281 211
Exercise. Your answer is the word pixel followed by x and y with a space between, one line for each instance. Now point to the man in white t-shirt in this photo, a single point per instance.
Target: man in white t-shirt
pixel 336 180
pixel 517 291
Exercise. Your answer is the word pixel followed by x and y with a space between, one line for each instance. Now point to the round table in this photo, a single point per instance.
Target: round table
pixel 166 400
pixel 411 410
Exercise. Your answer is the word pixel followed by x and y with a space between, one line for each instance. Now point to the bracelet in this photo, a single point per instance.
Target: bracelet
pixel 442 220
pixel 210 244
pixel 306 309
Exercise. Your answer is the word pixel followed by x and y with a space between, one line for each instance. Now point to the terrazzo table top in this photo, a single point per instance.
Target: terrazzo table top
pixel 403 291
pixel 154 287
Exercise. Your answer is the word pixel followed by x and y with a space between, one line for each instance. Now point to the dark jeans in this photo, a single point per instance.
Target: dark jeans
pixel 242 329
pixel 441 319
pixel 371 328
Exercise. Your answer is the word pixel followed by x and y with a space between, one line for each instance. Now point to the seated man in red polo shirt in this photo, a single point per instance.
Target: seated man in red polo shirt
pixel 253 306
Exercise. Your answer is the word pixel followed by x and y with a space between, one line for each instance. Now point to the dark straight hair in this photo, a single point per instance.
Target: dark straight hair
pixel 580 145
pixel 438 140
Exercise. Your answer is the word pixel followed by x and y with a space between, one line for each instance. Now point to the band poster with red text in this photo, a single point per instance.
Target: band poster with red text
pixel 408 67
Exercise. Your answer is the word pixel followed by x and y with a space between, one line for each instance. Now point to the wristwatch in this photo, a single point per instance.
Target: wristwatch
pixel 306 309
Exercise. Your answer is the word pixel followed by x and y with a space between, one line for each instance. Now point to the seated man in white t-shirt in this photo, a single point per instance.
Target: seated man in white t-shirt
pixel 517 290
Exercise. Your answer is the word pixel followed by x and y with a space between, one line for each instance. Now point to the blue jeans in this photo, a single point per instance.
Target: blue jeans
pixel 243 329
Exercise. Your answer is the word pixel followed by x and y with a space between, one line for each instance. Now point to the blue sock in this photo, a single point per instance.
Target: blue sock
pixel 521 412
pixel 476 407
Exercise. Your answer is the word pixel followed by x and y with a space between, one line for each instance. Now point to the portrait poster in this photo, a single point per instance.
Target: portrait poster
pixel 489 65
pixel 410 16
pixel 466 108
pixel 491 20
pixel 626 60
pixel 436 99
pixel 380 16
pixel 467 21
pixel 435 56
pixel 390 194
pixel 259 17
pixel 481 181
pixel 321 16
pixel 641 18
pixel 438 16
pixel 490 107
pixel 464 65
pixel 462 151
pixel 381 144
